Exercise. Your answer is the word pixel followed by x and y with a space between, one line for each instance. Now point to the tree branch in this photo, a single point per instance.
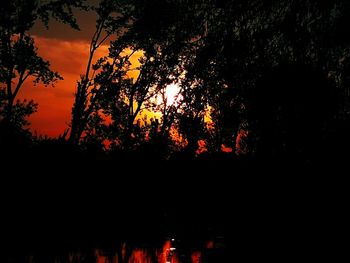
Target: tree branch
pixel 21 80
pixel 103 40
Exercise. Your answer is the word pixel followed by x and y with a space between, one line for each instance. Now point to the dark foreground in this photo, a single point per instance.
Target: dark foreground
pixel 251 211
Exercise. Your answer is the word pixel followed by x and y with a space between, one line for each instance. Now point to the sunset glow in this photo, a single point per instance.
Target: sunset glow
pixel 69 59
pixel 155 123
pixel 172 94
pixel 55 103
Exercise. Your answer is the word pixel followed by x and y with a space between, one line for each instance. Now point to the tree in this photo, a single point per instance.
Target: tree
pixel 20 63
pixel 19 60
pixel 246 46
pixel 114 17
pixel 107 89
pixel 134 98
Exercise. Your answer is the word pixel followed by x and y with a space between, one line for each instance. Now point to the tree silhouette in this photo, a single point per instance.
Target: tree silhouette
pixel 114 17
pixel 238 45
pixel 226 115
pixel 20 62
pixel 229 58
pixel 109 91
pixel 135 96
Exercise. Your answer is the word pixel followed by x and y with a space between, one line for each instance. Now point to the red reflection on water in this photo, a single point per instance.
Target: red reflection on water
pixel 196 256
pixel 102 258
pixel 175 258
pixel 167 254
pixel 162 255
pixel 210 244
pixel 140 255
pixel 124 251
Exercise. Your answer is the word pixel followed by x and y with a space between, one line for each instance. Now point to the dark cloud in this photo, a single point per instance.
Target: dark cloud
pixel 86 22
pixel 55 103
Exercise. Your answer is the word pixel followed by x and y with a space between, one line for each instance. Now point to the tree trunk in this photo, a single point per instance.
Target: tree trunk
pixel 9 110
pixel 76 132
pixel 77 125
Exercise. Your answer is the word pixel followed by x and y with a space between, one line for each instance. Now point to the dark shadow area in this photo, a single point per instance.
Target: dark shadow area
pixel 210 132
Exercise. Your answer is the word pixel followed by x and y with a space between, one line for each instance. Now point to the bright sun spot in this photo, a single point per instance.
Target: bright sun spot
pixel 172 93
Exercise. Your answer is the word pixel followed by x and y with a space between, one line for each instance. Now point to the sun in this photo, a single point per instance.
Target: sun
pixel 169 96
pixel 172 94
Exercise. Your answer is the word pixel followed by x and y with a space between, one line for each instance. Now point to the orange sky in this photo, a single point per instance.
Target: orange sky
pixel 55 103
pixel 69 58
pixel 67 51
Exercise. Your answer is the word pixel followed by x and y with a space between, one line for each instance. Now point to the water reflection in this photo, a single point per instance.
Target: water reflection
pixel 170 251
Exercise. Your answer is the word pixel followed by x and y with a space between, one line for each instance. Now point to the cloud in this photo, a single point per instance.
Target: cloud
pixel 57 30
pixel 69 58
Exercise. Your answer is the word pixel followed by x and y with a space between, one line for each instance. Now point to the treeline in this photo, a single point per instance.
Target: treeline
pixel 255 80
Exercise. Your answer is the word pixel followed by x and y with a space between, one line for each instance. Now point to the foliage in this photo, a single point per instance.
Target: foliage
pixel 264 78
pixel 113 18
pixel 281 61
pixel 19 59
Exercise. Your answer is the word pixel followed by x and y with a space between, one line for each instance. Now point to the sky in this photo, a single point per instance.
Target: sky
pixel 67 51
